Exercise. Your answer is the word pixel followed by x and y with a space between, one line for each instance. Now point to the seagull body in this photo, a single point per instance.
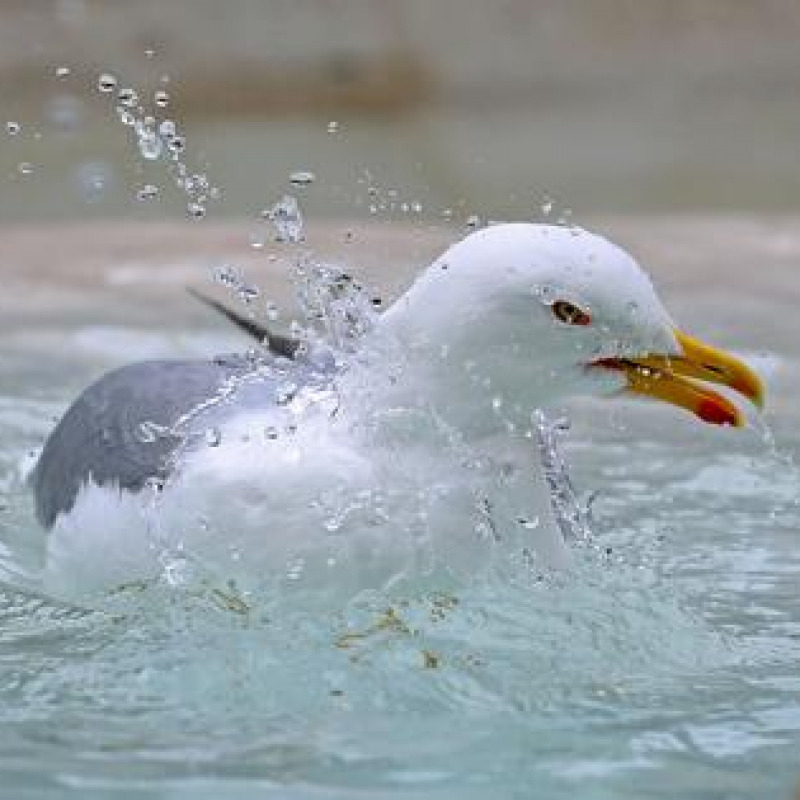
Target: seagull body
pixel 413 454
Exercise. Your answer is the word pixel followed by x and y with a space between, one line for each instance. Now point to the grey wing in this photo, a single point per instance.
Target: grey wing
pixel 120 431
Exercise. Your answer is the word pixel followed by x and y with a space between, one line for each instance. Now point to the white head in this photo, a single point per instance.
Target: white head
pixel 534 313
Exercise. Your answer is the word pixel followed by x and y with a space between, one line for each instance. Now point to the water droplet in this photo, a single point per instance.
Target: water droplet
pixel 301 178
pixel 177 144
pixel 161 98
pixel 167 128
pixel 127 97
pixel 106 83
pixel 285 214
pixel 228 276
pixel 247 293
pixel 294 569
pixel 285 393
pixel 333 126
pixel 25 167
pixel 196 211
pixel 213 437
pixel 13 128
pixel 147 192
pixel 473 221
pixel 257 240
pixel 150 145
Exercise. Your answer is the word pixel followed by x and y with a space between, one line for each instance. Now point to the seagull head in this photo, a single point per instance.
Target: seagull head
pixel 531 314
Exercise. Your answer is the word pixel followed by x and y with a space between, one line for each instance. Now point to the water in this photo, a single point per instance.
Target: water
pixel 662 665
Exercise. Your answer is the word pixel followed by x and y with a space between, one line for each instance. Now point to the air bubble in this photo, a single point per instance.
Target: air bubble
pixel 106 83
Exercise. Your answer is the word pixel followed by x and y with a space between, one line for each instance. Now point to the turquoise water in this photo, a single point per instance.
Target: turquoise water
pixel 663 664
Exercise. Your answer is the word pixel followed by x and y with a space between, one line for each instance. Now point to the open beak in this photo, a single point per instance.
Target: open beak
pixel 676 380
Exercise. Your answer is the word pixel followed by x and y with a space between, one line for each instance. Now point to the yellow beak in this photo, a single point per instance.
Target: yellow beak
pixel 675 380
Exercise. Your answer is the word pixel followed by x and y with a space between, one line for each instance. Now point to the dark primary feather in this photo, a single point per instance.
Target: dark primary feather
pixel 119 431
pixel 122 430
pixel 280 345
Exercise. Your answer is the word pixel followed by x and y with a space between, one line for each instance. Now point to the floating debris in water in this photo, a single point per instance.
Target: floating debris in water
pixel 288 221
pixel 301 178
pixel 106 83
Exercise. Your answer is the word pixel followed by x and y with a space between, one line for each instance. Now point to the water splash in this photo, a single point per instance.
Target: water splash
pixel 288 220
pixel 573 518
pixel 159 140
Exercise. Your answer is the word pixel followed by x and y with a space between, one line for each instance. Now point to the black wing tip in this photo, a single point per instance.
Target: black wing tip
pixel 280 345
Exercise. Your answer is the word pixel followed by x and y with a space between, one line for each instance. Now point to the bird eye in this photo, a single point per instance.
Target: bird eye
pixel 570 314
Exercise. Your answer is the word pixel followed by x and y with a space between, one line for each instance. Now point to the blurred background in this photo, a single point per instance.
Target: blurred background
pixel 404 108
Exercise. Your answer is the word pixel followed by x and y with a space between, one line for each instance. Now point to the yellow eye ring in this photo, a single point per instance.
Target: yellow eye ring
pixel 570 314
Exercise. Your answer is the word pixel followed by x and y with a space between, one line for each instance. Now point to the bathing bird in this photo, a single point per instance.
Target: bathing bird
pixel 411 451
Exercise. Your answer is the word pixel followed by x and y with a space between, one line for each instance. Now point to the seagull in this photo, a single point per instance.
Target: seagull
pixel 301 465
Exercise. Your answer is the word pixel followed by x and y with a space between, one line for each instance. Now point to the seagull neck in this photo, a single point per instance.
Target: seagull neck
pixel 402 370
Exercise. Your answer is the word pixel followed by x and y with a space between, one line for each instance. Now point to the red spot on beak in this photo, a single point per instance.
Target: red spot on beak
pixel 717 413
